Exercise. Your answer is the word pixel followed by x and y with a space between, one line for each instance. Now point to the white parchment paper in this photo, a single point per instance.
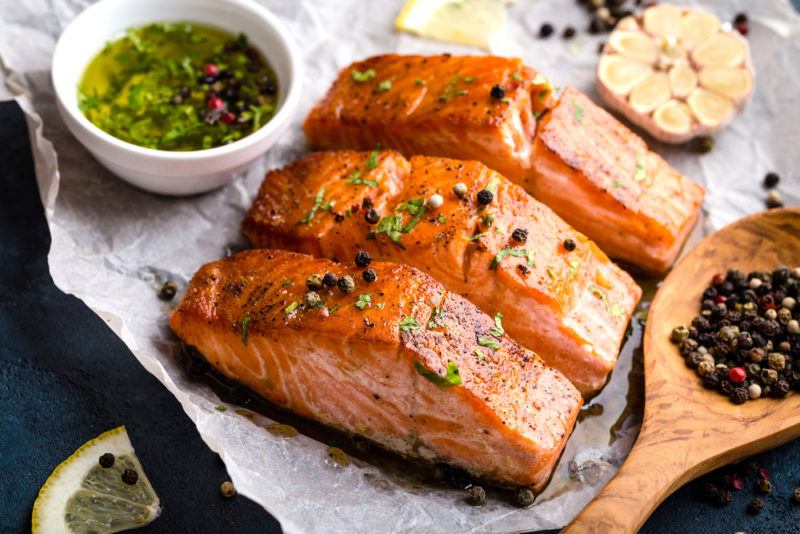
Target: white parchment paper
pixel 112 245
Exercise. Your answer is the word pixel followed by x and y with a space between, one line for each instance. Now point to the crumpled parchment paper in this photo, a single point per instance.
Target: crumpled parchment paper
pixel 112 245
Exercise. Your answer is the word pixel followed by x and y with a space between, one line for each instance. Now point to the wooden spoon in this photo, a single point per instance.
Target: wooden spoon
pixel 688 430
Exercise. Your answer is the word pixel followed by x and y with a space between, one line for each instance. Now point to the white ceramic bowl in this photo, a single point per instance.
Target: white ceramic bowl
pixel 162 171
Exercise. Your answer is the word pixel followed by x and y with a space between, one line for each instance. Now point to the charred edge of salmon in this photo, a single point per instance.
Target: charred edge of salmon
pixel 220 294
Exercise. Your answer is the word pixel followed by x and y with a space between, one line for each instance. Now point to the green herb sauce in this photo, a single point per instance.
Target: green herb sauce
pixel 178 86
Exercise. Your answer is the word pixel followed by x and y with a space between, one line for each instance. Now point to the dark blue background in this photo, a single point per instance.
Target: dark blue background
pixel 65 377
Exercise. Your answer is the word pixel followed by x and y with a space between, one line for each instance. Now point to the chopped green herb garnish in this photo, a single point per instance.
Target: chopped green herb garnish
pixel 492 185
pixel 392 227
pixel 530 256
pixel 469 79
pixel 573 268
pixel 419 82
pixel 356 179
pixel 516 252
pixel 488 343
pixel 497 330
pixel 319 199
pixel 409 324
pixel 617 185
pixel 286 282
pixel 641 170
pixel 477 236
pixel 361 77
pixel 417 208
pixel 290 308
pixel 615 309
pixel 245 323
pixel 479 353
pixel 436 319
pixel 385 85
pixel 550 273
pixel 578 111
pixel 452 378
pixel 505 100
pixel 451 91
pixel 442 219
pixel 221 408
pixel 364 300
pixel 331 311
pixel 372 161
pixel 516 76
pixel 380 305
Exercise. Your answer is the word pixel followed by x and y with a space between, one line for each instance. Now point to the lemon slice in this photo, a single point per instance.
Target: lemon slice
pixel 469 22
pixel 82 497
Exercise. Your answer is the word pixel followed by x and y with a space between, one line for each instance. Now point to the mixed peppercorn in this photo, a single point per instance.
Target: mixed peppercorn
pixel 745 343
pixel 774 198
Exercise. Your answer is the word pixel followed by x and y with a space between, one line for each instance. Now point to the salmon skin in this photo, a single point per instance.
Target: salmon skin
pixel 395 361
pixel 510 257
pixel 559 145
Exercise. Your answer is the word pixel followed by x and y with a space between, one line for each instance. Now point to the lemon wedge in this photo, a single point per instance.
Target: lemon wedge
pixel 468 22
pixel 82 497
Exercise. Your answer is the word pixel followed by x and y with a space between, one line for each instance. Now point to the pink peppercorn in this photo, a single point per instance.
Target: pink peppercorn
pixel 215 103
pixel 228 117
pixel 718 279
pixel 737 375
pixel 210 70
pixel 719 299
pixel 742 28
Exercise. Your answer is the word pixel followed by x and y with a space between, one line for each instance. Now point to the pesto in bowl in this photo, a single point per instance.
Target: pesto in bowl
pixel 178 87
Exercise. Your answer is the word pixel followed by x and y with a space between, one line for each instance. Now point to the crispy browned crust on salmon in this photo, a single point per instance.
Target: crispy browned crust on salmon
pixel 570 306
pixel 577 159
pixel 603 180
pixel 379 370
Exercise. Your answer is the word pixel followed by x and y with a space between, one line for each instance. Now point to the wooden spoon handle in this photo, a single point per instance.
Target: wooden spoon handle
pixel 650 473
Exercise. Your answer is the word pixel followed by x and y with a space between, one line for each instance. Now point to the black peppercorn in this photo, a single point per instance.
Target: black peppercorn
pixel 771 180
pixel 569 32
pixel 520 235
pixel 796 495
pixel 106 460
pixel 168 290
pixel 485 197
pixel 722 498
pixel 497 92
pixel 346 284
pixel 710 491
pixel 739 395
pixel 363 258
pixel 546 30
pixel 314 282
pixel 702 144
pixel 570 244
pixel 369 275
pixel 329 280
pixel 130 476
pixel 476 496
pixel 740 18
pixel 711 381
pixel 525 497
pixel 780 388
pixel 755 505
pixel 371 216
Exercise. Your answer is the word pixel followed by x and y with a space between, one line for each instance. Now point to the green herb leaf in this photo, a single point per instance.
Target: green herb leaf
pixel 617 185
pixel 245 323
pixel 287 282
pixel 641 170
pixel 385 85
pixel 419 82
pixel 318 204
pixel 221 408
pixel 516 252
pixel 372 161
pixel 364 300
pixel 487 219
pixel 498 330
pixel 436 319
pixel 488 342
pixel 331 311
pixel 452 378
pixel 479 353
pixel 469 79
pixel 408 324
pixel 361 77
pixel 356 179
pixel 290 308
pixel 477 236
pixel 614 309
pixel 417 208
pixel 392 227
pixel 380 305
pixel 573 268
pixel 442 219
pixel 492 185
pixel 530 256
pixel 578 111
pixel 505 100
pixel 550 273
pixel 617 309
pixel 516 76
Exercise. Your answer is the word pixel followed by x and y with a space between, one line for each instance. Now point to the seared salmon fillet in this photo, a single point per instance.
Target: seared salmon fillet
pixel 561 147
pixel 396 361
pixel 557 293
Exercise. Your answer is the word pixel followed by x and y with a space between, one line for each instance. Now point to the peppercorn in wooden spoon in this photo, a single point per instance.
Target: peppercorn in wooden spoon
pixel 689 430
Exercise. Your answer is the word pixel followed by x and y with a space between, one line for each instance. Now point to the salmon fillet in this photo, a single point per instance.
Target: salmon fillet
pixel 571 307
pixel 577 159
pixel 401 367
